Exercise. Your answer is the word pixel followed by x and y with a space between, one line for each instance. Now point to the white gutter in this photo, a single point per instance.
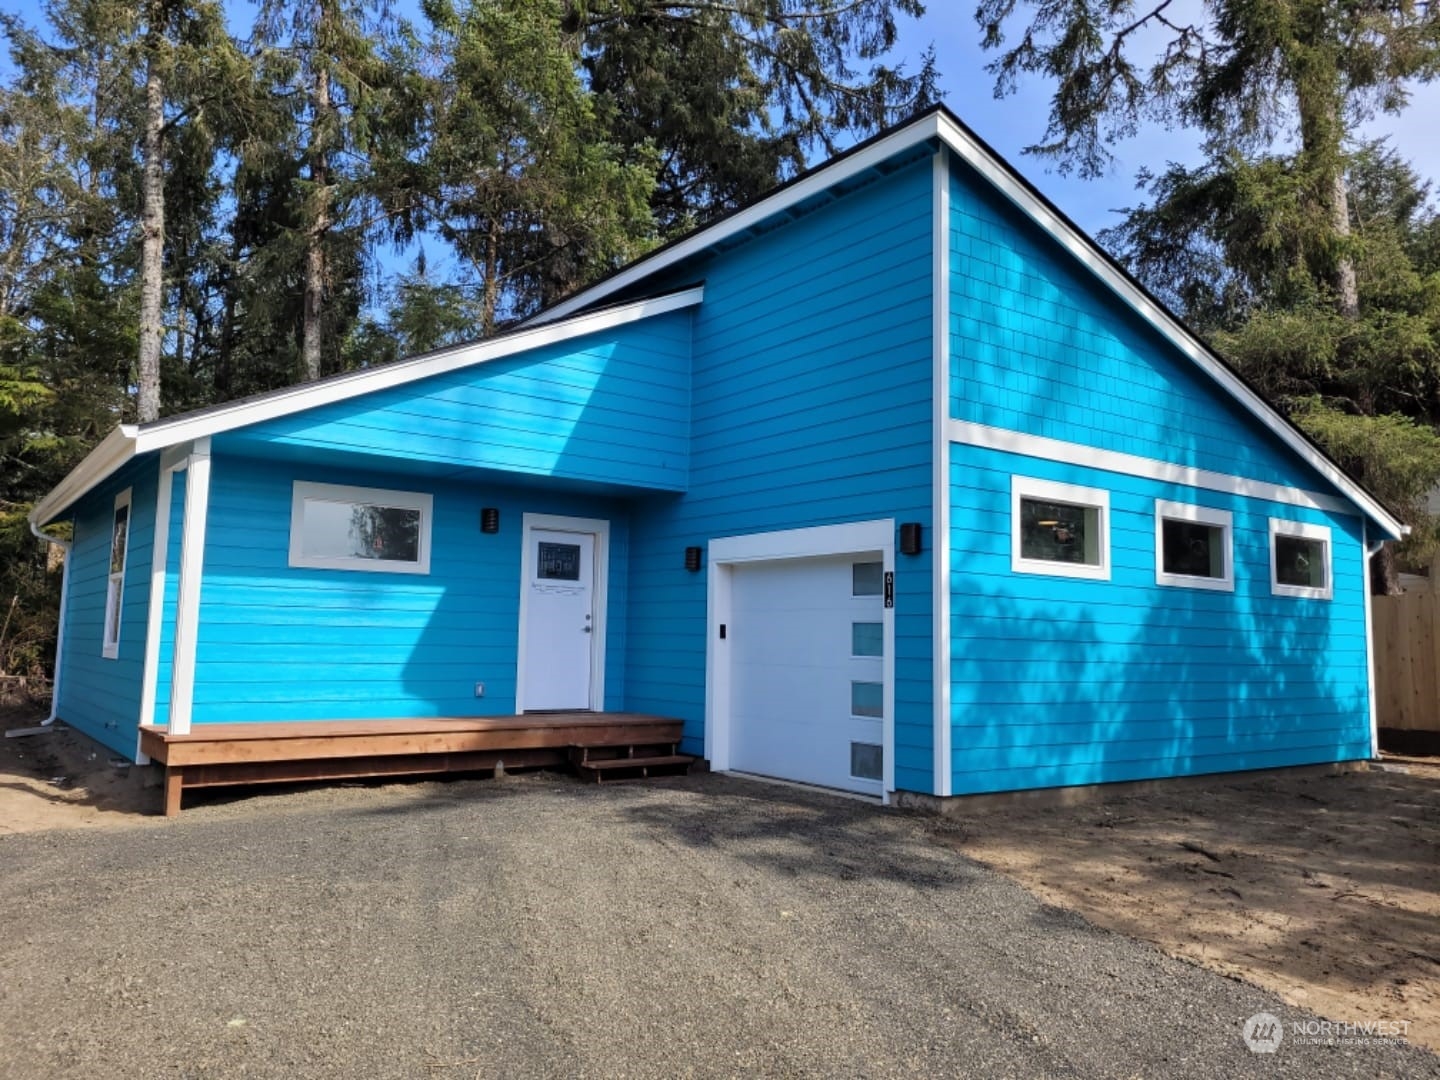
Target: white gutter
pixel 64 546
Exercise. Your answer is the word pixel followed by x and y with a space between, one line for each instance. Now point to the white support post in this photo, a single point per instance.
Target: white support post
pixel 187 610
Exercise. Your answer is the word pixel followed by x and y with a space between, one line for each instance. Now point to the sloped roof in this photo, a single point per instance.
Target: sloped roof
pixel 129 440
pixel 944 128
pixel 584 313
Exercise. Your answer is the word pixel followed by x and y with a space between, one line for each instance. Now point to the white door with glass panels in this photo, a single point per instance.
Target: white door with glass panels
pixel 807 671
pixel 559 572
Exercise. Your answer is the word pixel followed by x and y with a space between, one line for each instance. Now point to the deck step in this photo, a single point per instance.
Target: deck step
pixel 638 762
pixel 635 761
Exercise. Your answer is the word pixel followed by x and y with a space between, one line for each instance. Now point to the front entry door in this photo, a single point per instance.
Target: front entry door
pixel 559 643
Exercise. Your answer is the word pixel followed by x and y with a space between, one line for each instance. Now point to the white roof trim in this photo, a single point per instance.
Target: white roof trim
pixel 974 153
pixel 1085 251
pixel 926 127
pixel 114 451
pixel 129 440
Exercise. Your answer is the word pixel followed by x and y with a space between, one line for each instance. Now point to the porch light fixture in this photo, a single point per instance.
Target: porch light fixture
pixel 490 519
pixel 692 559
pixel 910 538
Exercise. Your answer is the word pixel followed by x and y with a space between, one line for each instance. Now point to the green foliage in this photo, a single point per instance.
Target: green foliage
pixel 538 144
pixel 1394 456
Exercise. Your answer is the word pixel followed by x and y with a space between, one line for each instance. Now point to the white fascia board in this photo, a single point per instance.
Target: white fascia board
pixel 130 440
pixel 114 451
pixel 299 398
pixel 1088 255
pixel 926 127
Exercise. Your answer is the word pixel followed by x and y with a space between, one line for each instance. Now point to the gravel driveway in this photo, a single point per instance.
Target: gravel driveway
pixel 537 927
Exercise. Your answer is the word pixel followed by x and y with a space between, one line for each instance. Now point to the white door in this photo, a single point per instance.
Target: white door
pixel 808 671
pixel 558 644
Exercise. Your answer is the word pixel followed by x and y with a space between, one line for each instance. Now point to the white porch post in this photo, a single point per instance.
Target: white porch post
pixel 187 609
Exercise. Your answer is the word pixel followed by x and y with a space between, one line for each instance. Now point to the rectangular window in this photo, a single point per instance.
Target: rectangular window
pixel 867 639
pixel 867 699
pixel 867 579
pixel 1193 546
pixel 350 528
pixel 1060 529
pixel 867 761
pixel 115 581
pixel 1300 559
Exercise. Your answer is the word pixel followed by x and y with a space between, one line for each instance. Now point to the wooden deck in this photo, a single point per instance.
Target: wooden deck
pixel 213 755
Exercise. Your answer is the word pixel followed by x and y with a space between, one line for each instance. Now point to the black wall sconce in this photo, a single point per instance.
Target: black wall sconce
pixel 490 519
pixel 910 538
pixel 692 559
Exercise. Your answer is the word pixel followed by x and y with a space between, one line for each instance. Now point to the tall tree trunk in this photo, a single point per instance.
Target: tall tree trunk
pixel 490 298
pixel 152 231
pixel 1384 573
pixel 1347 292
pixel 319 227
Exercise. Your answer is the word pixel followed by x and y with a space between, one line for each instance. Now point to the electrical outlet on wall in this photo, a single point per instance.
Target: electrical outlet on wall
pixel 479 689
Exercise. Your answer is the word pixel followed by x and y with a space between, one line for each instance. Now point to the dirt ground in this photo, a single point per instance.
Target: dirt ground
pixel 1322 888
pixel 63 780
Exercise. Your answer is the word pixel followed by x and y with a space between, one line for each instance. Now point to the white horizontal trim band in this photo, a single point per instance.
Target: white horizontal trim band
pixel 1037 446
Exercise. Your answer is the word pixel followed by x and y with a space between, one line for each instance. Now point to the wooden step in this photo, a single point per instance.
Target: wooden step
pixel 598 768
pixel 638 762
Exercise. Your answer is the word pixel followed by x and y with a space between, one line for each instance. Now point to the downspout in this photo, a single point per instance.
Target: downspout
pixel 1371 550
pixel 64 546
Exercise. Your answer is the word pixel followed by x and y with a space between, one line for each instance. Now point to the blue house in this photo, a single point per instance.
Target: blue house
pixel 891 482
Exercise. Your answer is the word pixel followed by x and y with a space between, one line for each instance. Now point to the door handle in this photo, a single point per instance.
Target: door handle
pixel 586 629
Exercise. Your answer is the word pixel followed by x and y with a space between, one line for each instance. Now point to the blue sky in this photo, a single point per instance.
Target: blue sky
pixel 1019 120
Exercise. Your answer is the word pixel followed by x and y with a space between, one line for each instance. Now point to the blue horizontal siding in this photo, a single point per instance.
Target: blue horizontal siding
pixel 812 405
pixel 1038 345
pixel 1061 681
pixel 279 643
pixel 99 696
pixel 612 407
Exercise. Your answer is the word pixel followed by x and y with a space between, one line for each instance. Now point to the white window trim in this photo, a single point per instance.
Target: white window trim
pixel 406 500
pixel 1200 515
pixel 1026 487
pixel 110 649
pixel 1284 527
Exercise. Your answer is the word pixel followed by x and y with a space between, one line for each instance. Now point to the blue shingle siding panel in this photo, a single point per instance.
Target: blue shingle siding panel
pixel 99 696
pixel 279 643
pixel 612 407
pixel 813 405
pixel 1061 681
pixel 1038 345
pixel 166 666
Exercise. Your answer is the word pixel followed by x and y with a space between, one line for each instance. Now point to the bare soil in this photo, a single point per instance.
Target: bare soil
pixel 1322 888
pixel 62 780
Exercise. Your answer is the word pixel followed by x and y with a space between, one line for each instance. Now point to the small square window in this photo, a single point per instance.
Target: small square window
pixel 1059 529
pixel 867 761
pixel 867 639
pixel 867 579
pixel 1192 546
pixel 867 699
pixel 1300 560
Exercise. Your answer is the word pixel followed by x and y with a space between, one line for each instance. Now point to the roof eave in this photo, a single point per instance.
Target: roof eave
pixel 109 457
